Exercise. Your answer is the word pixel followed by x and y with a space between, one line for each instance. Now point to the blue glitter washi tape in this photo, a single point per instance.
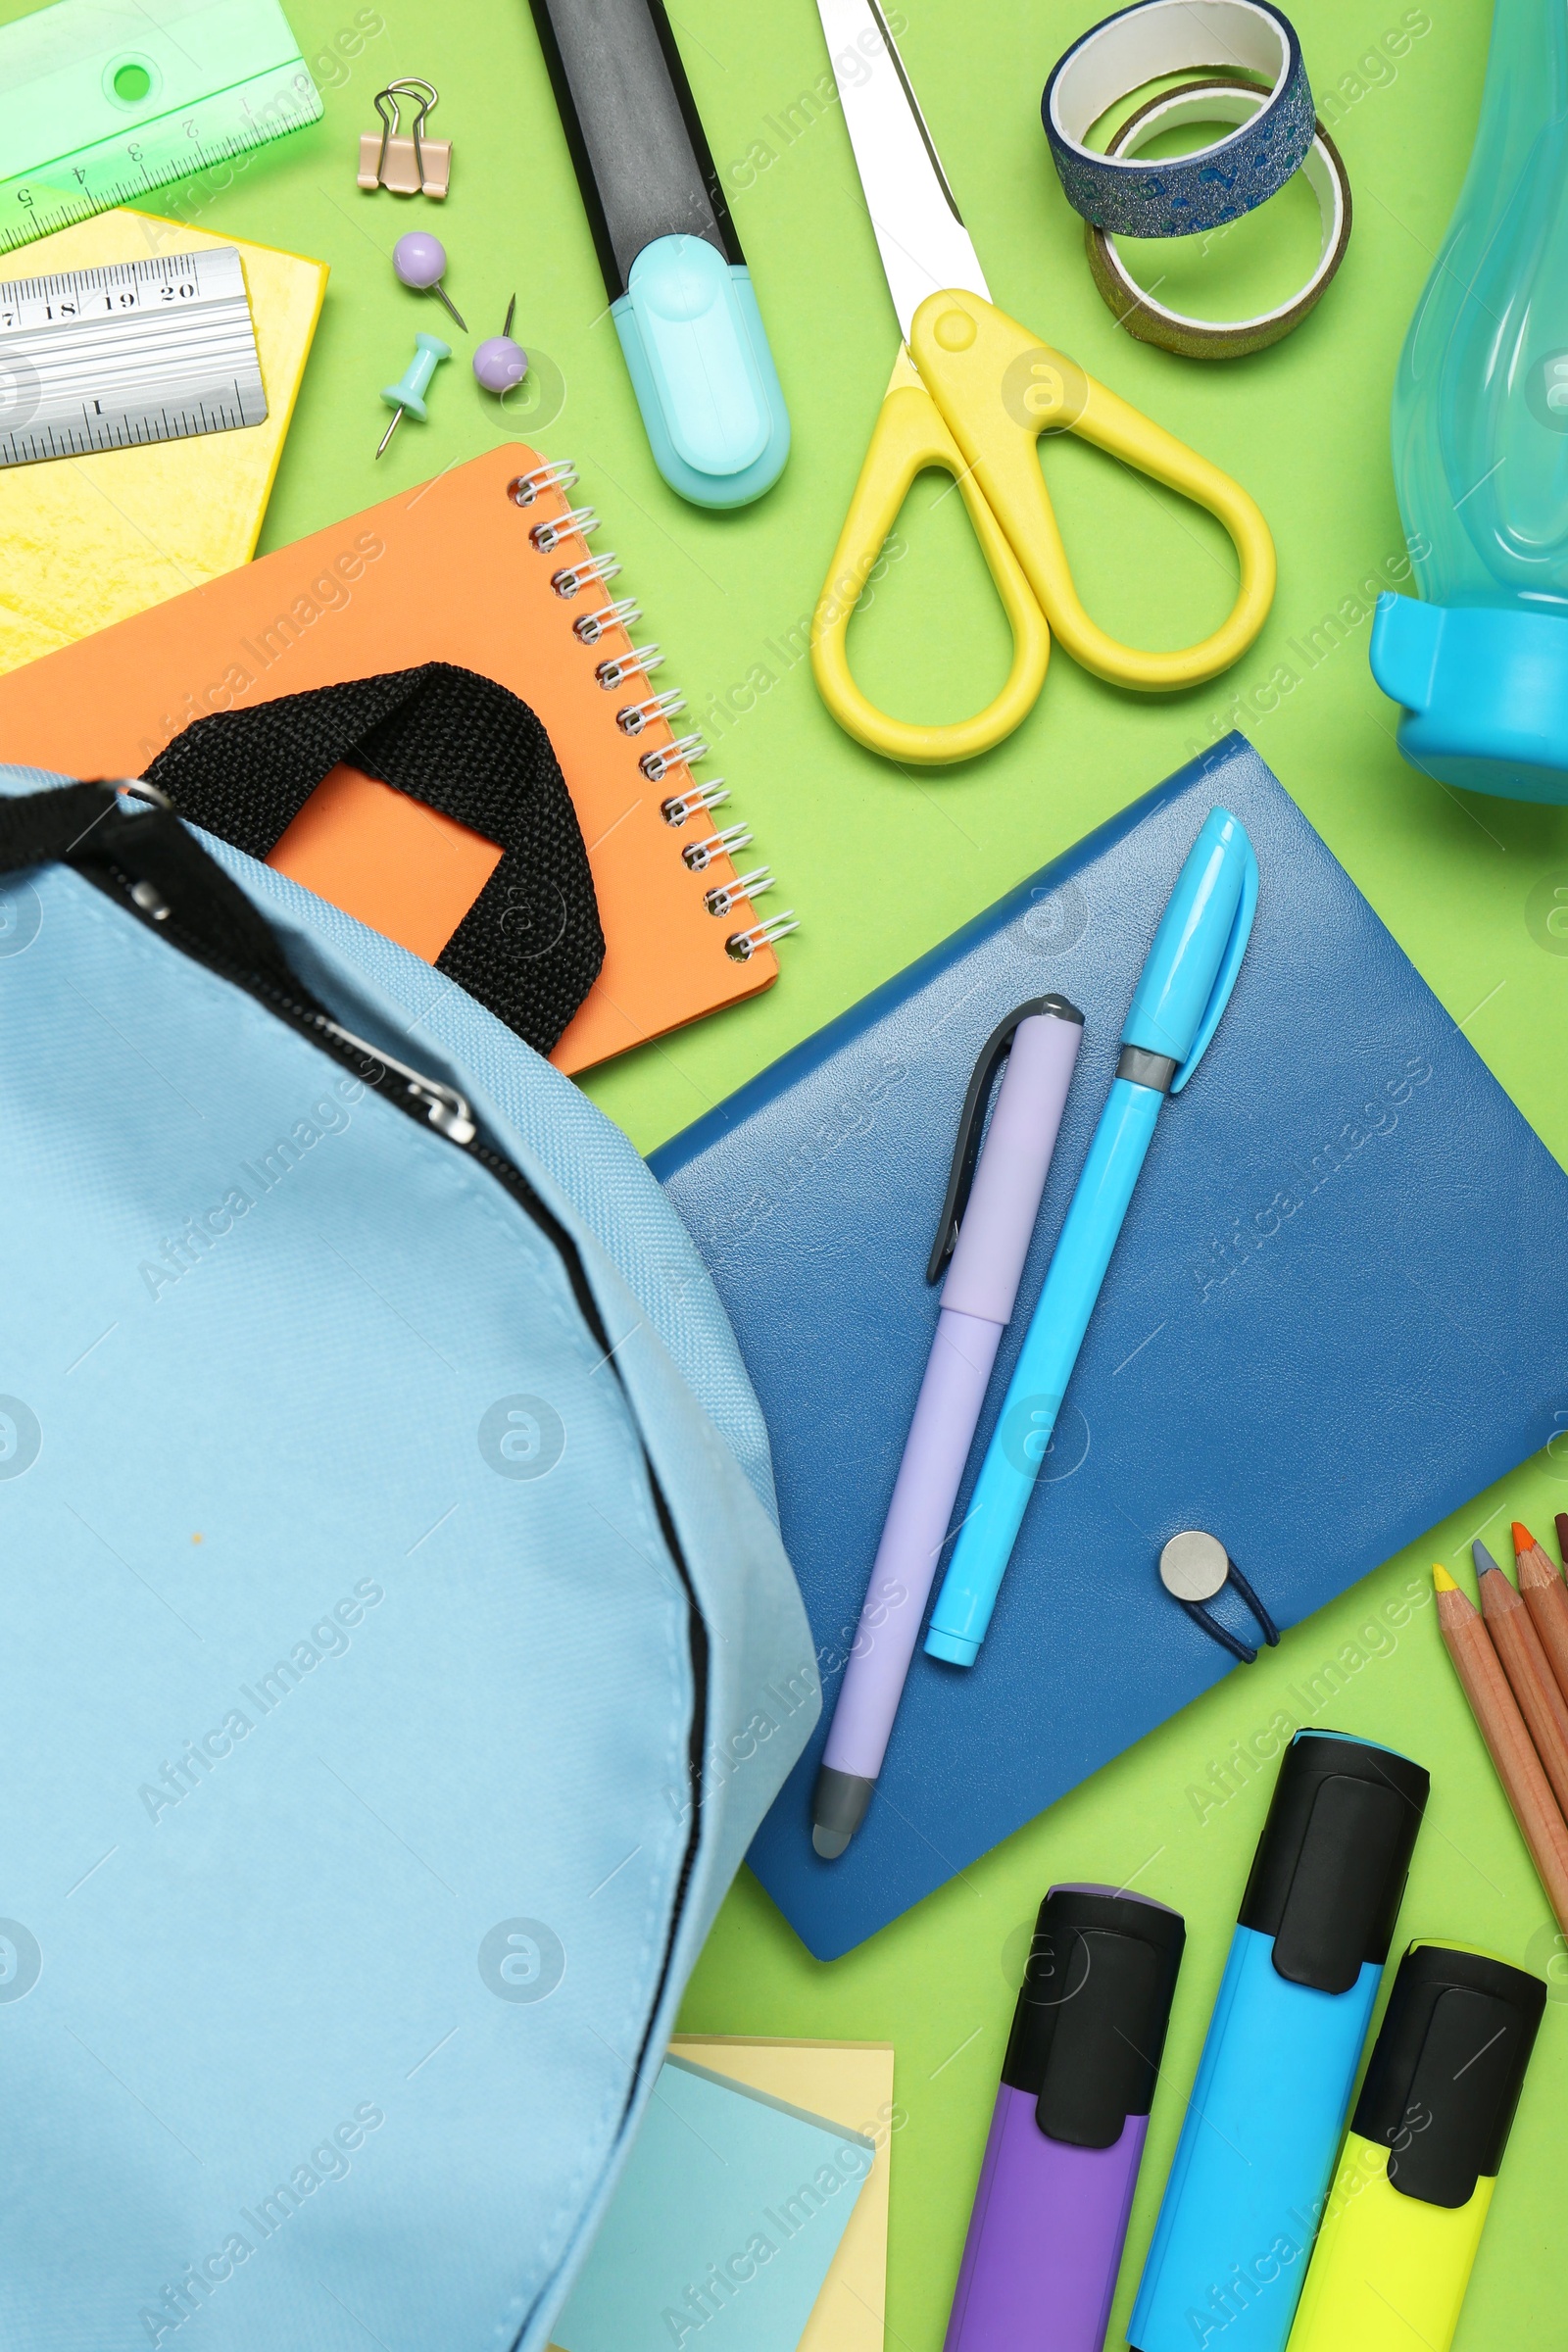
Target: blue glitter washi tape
pixel 1181 195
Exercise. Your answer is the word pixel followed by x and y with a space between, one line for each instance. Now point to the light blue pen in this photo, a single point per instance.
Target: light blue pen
pixel 1183 989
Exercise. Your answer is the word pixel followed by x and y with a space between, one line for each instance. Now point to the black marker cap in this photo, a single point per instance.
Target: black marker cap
pixel 1090 2026
pixel 1331 1865
pixel 1447 2067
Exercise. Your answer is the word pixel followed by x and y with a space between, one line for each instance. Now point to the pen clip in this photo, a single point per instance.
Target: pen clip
pixel 971 1121
pixel 1225 978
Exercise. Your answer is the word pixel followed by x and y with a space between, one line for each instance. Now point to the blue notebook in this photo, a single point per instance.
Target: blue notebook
pixel 1333 1314
pixel 729 2198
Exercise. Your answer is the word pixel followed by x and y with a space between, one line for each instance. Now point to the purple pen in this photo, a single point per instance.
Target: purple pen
pixel 987 1221
pixel 1061 2162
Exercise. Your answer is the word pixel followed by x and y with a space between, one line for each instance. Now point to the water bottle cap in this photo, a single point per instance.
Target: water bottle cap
pixel 1485 694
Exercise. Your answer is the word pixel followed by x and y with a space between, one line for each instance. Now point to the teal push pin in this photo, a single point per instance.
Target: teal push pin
pixel 409 390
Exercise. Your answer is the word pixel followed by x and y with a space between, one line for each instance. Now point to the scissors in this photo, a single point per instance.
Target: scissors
pixel 971 393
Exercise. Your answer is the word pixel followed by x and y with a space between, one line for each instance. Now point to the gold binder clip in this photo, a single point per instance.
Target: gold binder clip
pixel 408 165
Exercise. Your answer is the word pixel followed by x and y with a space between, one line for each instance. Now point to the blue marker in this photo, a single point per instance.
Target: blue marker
pixel 1183 989
pixel 1250 2176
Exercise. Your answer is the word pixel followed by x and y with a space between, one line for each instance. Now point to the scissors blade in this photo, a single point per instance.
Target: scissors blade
pixel 923 243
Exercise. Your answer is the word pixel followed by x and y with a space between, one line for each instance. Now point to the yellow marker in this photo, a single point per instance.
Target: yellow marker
pixel 1420 2161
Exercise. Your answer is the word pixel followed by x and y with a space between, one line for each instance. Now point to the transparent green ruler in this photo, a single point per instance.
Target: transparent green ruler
pixel 103 101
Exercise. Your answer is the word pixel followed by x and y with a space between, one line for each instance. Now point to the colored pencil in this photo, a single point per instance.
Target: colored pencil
pixel 1560 1523
pixel 1545 1596
pixel 1529 1677
pixel 1501 1725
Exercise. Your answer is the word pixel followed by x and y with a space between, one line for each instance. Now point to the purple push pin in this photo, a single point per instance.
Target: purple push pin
pixel 421 261
pixel 499 362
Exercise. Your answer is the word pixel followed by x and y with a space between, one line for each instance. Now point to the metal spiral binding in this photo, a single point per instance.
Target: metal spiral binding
pixel 641 661
pixel 589 627
pixel 655 765
pixel 726 895
pixel 701 797
pixel 596 572
pixel 632 717
pixel 699 855
pixel 529 486
pixel 575 523
pixel 744 945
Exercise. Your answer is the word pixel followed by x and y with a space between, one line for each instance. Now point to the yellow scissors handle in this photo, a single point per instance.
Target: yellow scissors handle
pixel 998 389
pixel 910 435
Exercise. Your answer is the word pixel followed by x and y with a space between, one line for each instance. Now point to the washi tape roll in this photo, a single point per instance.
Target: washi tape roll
pixel 1184 194
pixel 1135 307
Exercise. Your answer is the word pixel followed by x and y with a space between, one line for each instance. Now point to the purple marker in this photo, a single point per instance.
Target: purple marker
pixel 986 1232
pixel 1057 2184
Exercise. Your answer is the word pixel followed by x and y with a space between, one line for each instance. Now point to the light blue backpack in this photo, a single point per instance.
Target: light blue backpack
pixel 396 1647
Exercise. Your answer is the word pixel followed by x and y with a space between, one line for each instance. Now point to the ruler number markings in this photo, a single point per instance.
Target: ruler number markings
pixel 93 359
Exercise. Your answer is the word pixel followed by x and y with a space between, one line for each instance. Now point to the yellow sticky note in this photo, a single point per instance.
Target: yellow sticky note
pixel 850 2083
pixel 86 541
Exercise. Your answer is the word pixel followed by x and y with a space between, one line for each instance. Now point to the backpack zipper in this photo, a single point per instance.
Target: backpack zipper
pixel 429 1101
pixel 444 1108
pixel 434 1104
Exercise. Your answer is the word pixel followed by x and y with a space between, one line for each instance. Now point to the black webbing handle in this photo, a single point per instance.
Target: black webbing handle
pixel 530 947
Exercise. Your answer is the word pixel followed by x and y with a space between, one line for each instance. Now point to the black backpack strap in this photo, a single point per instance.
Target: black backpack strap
pixel 137 847
pixel 530 947
pixel 41 828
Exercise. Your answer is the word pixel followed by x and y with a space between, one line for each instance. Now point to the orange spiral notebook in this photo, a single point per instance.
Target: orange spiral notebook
pixel 457 570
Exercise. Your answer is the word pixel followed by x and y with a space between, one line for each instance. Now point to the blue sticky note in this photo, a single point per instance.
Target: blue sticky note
pixel 730 2200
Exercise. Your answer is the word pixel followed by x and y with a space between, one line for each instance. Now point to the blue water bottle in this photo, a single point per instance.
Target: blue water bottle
pixel 1480 662
pixel 1251 2169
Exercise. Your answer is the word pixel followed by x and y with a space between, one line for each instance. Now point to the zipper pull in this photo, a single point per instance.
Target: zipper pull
pixel 443 1106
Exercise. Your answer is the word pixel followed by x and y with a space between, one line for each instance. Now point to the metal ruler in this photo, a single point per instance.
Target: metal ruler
pixel 103 101
pixel 128 354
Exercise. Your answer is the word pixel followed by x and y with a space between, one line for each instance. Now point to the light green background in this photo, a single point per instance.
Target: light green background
pixel 881 864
